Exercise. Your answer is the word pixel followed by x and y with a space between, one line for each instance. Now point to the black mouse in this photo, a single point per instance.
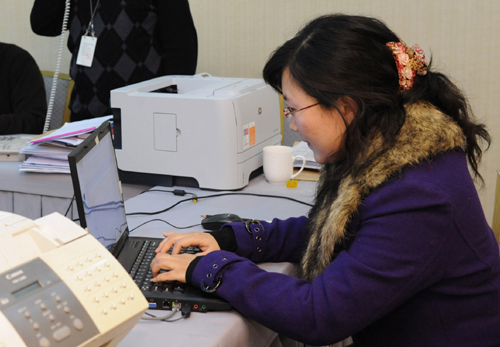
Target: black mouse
pixel 216 221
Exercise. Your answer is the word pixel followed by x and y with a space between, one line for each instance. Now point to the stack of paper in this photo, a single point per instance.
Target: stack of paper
pixel 303 149
pixel 312 167
pixel 49 153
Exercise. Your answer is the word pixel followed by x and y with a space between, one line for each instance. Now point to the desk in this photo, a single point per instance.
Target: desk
pixel 34 195
pixel 213 328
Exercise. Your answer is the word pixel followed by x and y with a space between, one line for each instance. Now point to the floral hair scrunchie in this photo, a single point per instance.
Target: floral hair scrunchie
pixel 409 62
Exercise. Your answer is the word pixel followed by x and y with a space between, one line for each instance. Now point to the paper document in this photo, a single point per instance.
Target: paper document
pixel 303 149
pixel 43 169
pixel 48 153
pixel 73 129
pixel 49 164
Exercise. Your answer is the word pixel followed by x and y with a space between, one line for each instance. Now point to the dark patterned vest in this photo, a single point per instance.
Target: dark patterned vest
pixel 128 51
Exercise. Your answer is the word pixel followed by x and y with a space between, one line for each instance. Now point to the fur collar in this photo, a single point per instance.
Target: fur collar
pixel 425 133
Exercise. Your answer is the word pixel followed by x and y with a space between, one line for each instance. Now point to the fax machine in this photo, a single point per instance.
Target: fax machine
pixel 59 286
pixel 204 128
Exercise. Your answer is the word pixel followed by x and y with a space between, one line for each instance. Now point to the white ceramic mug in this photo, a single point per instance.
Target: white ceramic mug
pixel 278 164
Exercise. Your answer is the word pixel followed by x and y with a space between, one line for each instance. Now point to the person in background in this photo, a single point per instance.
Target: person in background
pixel 23 102
pixel 131 41
pixel 396 250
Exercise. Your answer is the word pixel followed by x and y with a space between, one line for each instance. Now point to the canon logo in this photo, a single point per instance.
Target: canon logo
pixel 14 274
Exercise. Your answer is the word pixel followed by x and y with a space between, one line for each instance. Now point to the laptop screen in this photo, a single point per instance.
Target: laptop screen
pixel 97 187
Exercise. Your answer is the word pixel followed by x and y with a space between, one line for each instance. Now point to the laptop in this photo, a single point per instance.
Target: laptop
pixel 101 211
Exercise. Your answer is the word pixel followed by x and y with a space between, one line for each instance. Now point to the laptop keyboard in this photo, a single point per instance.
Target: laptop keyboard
pixel 142 274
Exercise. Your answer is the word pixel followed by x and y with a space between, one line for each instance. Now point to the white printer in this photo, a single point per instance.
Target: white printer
pixel 172 130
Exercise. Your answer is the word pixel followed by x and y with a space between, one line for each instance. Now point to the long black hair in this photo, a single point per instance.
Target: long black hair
pixel 340 55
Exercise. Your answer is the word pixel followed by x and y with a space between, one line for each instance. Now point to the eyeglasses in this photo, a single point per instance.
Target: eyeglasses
pixel 289 111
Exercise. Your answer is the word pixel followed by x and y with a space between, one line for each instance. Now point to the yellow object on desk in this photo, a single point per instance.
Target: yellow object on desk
pixel 292 183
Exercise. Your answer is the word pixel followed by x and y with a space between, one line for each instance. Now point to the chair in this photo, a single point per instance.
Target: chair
pixel 60 111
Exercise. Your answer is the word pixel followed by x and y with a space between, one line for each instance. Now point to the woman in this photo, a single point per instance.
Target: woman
pixel 396 250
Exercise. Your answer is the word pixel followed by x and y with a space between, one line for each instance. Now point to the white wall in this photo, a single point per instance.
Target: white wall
pixel 237 36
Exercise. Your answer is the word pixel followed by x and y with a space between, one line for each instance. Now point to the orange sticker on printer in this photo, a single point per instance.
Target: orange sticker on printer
pixel 252 133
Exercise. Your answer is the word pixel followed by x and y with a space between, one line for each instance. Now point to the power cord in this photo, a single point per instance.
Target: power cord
pixel 196 198
pixel 69 207
pixel 185 313
pixel 180 192
pixel 164 221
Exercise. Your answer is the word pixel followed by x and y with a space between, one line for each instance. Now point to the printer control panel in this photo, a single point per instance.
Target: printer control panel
pixel 42 308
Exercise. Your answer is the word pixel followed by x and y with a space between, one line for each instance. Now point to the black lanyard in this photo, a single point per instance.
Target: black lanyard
pixel 92 14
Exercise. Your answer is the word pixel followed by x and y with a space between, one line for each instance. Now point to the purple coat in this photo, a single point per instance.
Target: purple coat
pixel 422 268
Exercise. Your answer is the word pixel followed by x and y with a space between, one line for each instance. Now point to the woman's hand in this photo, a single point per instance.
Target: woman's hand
pixel 203 241
pixel 176 265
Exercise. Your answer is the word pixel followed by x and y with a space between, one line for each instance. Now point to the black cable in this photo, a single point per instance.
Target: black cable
pixel 183 192
pixel 158 212
pixel 164 221
pixel 180 192
pixel 70 204
pixel 185 313
pixel 213 196
pixel 153 317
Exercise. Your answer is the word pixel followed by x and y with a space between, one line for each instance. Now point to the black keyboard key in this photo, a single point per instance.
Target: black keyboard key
pixel 179 288
pixel 157 288
pixel 143 273
pixel 168 287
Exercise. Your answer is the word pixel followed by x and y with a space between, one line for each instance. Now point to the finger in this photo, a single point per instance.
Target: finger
pixel 167 243
pixel 170 239
pixel 160 246
pixel 160 261
pixel 175 267
pixel 207 244
pixel 162 277
pixel 186 241
pixel 168 276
